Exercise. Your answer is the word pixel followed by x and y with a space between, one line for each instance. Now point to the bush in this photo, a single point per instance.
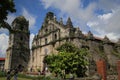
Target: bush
pixel 2 74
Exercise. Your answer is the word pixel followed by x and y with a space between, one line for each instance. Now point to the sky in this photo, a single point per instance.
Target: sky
pixel 101 17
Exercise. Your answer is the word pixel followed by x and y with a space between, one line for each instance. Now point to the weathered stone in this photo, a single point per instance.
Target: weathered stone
pixel 69 23
pixel 53 35
pixel 96 76
pixel 118 69
pixel 18 52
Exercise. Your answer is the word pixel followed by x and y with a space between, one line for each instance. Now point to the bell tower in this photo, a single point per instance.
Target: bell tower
pixel 18 52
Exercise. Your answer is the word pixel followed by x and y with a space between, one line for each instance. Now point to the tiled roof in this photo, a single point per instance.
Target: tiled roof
pixel 2 59
pixel 98 38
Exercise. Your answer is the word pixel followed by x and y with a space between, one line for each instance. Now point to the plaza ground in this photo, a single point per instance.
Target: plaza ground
pixel 3 78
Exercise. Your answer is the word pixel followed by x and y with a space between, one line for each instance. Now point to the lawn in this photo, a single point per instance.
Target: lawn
pixel 3 78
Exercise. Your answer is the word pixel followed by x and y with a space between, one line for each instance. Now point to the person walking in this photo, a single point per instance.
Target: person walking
pixel 16 74
pixel 8 75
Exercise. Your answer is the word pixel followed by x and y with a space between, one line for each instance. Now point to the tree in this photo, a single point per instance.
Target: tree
pixel 6 6
pixel 69 59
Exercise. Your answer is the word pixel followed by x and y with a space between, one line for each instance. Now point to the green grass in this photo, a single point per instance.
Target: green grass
pixel 3 78
pixel 26 77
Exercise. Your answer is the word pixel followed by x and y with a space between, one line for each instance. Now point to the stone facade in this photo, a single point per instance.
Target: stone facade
pixel 18 52
pixel 53 33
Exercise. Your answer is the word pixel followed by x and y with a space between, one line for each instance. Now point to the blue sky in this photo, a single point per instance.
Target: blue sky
pixel 101 17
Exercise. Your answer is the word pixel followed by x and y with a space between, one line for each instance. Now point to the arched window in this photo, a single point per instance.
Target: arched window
pixel 21 28
pixel 21 38
pixel 46 30
pixel 55 36
pixel 45 40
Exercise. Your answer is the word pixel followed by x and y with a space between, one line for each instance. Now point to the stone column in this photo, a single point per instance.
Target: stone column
pixel 101 69
pixel 118 69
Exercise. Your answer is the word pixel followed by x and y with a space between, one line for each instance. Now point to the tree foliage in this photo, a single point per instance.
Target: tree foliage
pixel 6 6
pixel 69 59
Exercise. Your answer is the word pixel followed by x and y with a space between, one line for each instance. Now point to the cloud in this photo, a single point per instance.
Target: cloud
pixel 26 14
pixel 105 16
pixel 10 18
pixel 108 5
pixel 106 23
pixel 31 39
pixel 113 37
pixel 72 8
pixel 3 44
pixel 30 17
pixel 3 30
pixel 91 24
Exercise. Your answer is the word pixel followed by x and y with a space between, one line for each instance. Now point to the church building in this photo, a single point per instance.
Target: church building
pixel 54 33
